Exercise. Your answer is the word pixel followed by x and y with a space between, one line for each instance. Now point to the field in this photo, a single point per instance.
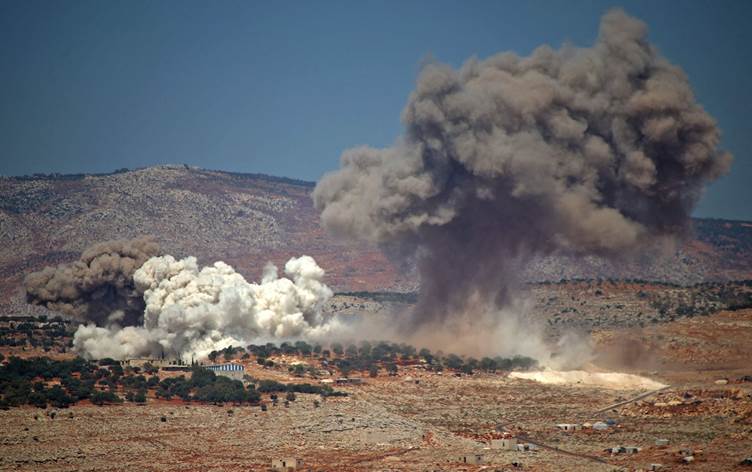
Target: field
pixel 425 420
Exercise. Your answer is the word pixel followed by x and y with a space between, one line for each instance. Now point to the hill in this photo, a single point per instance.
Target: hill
pixel 249 219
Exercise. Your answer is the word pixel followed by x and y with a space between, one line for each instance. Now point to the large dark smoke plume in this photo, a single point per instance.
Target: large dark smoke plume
pixel 597 150
pixel 97 285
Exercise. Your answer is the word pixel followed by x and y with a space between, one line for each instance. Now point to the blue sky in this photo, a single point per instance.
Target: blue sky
pixel 284 87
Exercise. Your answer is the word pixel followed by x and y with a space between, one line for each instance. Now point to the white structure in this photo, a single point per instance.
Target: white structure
pixel 569 426
pixel 623 450
pixel 289 463
pixel 231 370
pixel 504 443
pixel 471 459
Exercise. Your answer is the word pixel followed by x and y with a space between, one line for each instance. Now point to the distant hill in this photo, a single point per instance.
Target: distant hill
pixel 249 219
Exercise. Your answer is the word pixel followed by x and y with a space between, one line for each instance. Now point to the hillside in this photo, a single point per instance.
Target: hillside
pixel 249 219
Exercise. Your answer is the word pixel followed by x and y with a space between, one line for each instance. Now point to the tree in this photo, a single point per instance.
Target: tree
pixel 298 370
pixel 303 348
pixel 351 351
pixel 58 398
pixel 100 398
pixel 344 367
pixel 290 397
pixel 201 377
pixel 38 399
pixel 365 349
pixel 454 361
pixel 337 349
pixel 488 364
pixel 391 368
pixel 373 371
pixel 229 353
pixel 213 356
pixel 140 396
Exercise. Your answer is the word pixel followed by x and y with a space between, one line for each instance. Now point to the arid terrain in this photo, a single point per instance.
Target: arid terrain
pixel 420 419
pixel 684 321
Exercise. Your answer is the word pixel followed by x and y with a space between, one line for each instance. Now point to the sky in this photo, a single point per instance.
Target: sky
pixel 282 88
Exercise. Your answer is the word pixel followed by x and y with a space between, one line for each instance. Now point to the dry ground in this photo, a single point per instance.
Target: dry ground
pixel 425 421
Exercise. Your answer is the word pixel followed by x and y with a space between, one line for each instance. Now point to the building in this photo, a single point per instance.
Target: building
pixel 288 463
pixel 142 361
pixel 471 459
pixel 505 443
pixel 231 370
pixel 661 442
pixel 349 381
pixel 176 368
pixel 569 426
pixel 623 450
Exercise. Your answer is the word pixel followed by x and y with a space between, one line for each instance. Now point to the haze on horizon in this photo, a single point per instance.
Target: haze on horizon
pixel 284 88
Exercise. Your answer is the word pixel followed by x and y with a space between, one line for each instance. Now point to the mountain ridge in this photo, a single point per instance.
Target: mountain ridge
pixel 247 219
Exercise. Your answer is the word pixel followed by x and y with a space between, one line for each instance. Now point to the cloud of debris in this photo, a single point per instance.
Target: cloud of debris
pixel 600 150
pixel 97 285
pixel 192 310
pixel 137 303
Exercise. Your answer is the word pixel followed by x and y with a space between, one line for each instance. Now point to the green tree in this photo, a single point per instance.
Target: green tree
pixel 201 377
pixel 298 370
pixel 454 362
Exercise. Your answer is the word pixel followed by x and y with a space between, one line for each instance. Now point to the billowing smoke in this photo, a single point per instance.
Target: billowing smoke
pixel 137 305
pixel 192 310
pixel 98 285
pixel 597 150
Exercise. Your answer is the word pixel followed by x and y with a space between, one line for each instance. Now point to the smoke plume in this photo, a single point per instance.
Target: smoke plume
pixel 135 303
pixel 97 285
pixel 192 311
pixel 597 150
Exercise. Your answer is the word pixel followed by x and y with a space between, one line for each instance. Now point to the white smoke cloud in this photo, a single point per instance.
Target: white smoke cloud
pixel 192 310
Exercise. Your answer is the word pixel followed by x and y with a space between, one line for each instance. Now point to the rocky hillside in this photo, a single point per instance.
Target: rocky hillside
pixel 249 219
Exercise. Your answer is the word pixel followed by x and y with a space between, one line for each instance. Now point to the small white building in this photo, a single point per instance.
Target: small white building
pixel 471 459
pixel 569 426
pixel 509 444
pixel 623 450
pixel 289 463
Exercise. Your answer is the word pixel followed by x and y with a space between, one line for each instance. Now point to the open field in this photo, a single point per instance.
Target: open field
pixel 422 420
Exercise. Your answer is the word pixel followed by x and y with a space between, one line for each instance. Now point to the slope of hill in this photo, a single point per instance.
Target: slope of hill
pixel 249 219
